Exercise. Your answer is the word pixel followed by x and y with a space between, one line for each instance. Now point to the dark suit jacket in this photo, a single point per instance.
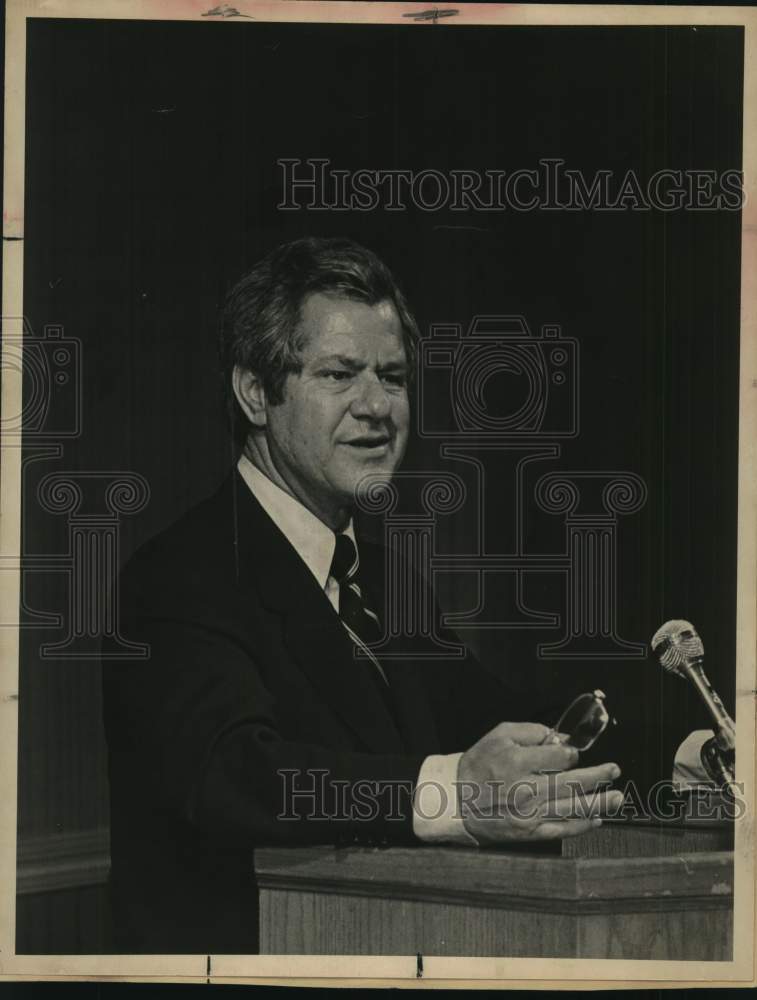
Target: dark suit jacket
pixel 251 674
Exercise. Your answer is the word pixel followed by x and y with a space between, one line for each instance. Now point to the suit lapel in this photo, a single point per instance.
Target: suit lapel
pixel 325 653
pixel 311 628
pixel 408 677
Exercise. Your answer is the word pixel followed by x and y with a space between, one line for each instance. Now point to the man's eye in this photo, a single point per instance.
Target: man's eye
pixel 337 374
pixel 395 378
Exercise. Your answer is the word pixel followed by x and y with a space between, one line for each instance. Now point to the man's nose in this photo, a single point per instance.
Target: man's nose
pixel 372 399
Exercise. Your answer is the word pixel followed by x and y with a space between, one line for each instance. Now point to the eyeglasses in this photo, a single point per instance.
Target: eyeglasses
pixel 582 722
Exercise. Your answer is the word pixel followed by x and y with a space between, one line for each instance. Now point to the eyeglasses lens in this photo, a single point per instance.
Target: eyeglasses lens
pixel 584 720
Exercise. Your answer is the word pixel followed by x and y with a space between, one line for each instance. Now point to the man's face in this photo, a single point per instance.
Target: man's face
pixel 346 414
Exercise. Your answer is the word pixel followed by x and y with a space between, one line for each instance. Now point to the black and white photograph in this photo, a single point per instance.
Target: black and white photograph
pixel 377 551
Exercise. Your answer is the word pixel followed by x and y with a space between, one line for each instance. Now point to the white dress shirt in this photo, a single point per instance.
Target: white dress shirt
pixel 436 815
pixel 313 541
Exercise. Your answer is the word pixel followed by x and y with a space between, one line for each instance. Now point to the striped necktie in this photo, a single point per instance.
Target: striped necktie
pixel 361 622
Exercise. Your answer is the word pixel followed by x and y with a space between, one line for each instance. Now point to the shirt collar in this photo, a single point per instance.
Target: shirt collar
pixel 312 540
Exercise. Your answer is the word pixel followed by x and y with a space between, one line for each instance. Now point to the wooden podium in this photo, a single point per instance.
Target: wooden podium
pixel 620 892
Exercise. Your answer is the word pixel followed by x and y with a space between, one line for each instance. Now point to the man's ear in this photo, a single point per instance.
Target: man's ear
pixel 248 388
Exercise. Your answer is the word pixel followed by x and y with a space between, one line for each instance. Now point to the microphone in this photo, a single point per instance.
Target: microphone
pixel 680 651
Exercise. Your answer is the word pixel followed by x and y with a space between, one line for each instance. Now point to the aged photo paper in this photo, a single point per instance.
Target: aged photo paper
pixel 377 464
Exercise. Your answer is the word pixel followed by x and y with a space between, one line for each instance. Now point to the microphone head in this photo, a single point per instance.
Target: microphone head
pixel 676 644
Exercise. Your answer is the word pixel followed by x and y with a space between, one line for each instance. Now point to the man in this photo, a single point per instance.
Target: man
pixel 261 715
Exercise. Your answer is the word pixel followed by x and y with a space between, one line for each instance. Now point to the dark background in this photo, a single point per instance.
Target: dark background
pixel 152 183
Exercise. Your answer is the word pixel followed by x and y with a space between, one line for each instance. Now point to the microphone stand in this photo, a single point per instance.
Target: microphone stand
pixel 718 754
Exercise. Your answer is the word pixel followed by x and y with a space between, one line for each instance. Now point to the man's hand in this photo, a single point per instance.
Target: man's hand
pixel 510 787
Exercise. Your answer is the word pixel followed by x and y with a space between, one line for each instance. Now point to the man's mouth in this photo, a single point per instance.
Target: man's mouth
pixel 370 442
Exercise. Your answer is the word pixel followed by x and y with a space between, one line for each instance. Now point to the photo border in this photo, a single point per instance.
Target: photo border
pixel 374 970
